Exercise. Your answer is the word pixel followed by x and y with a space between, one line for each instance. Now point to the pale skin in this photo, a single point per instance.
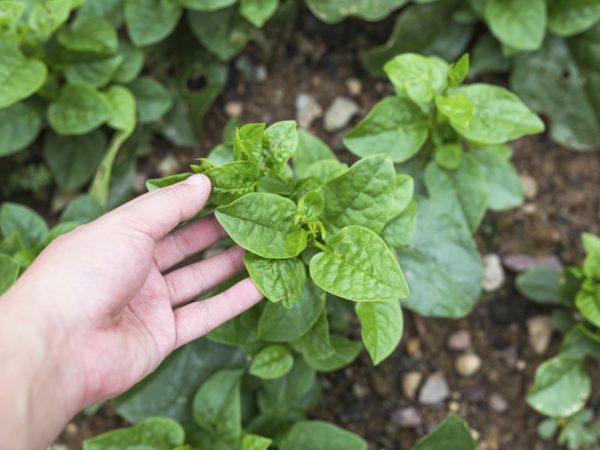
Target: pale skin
pixel 103 305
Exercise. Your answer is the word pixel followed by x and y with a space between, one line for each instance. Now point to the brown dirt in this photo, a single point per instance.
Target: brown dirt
pixel 317 59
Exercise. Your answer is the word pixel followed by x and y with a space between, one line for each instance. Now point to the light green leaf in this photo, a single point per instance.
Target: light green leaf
pixel 248 142
pixel 93 73
pixel 10 12
pixel 122 108
pixel 569 17
pixel 78 110
pixel 279 144
pixel 19 126
pixel 458 71
pixel 588 304
pixel 452 433
pixel 316 343
pixel 591 263
pixel 9 271
pixel 399 231
pixel 324 171
pixel 152 98
pixel 255 442
pixel 416 76
pixel 206 5
pixel 539 284
pixel 224 32
pixel 278 324
pixel 257 12
pixel 456 107
pixel 82 209
pixel 48 15
pixel 517 24
pixel 463 191
pixel 230 180
pixel 156 433
pixel 280 280
pixel 73 160
pixel 503 183
pixel 362 195
pixel 498 115
pixel 449 156
pixel 310 149
pixel 272 362
pixel 395 126
pixel 90 34
pixel 20 76
pixel 111 10
pixel 313 435
pixel 381 326
pixel 260 223
pixel 357 265
pixel 561 387
pixel 23 222
pixel 333 11
pixel 578 344
pixel 344 352
pixel 150 21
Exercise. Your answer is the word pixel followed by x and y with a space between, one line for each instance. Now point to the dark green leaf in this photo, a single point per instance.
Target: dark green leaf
pixel 89 34
pixel 153 99
pixel 539 284
pixel 452 433
pixel 19 76
pixel 9 271
pixel 381 326
pixel 272 362
pixel 333 11
pixel 78 110
pixel 312 435
pixel 149 21
pixel 24 222
pixel 19 126
pixel 344 352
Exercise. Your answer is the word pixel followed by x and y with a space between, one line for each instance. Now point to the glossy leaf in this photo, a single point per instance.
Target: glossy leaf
pixel 94 73
pixel 344 352
pixel 23 222
pixel 78 110
pixel 272 362
pixel 399 231
pixel 309 150
pixel 312 435
pixel 456 107
pixel 567 18
pixel 316 343
pixel 19 76
pixel 19 126
pixel 89 34
pixel 231 181
pixel 381 326
pixel 452 433
pixel 257 12
pixel 153 99
pixel 280 141
pixel 122 114
pixel 588 304
pixel 517 24
pixel 333 11
pixel 149 21
pixel 539 284
pixel 416 76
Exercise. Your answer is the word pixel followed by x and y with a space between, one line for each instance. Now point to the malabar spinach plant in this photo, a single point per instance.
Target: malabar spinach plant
pixel 452 139
pixel 562 385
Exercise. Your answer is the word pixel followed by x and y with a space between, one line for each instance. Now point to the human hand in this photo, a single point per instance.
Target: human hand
pixel 103 305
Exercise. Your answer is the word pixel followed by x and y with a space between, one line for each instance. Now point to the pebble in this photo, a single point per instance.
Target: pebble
pixel 410 383
pixel 498 403
pixel 453 406
pixel 354 86
pixel 540 329
pixel 529 185
pixel 253 73
pixel 307 110
pixel 413 346
pixel 519 263
pixel 467 364
pixel 407 417
pixel 360 391
pixel 459 341
pixel 59 447
pixel 139 183
pixel 234 109
pixel 435 390
pixel 339 113
pixel 493 273
pixel 168 166
pixel 71 428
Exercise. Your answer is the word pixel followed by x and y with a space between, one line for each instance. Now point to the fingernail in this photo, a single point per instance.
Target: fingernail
pixel 196 180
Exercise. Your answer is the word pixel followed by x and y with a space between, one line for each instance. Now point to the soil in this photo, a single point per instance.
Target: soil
pixel 317 59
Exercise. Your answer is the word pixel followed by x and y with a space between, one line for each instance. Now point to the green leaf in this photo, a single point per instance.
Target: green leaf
pixel 416 76
pixel 591 263
pixel 442 36
pixel 561 387
pixel 224 32
pixel 255 442
pixel 89 34
pixel 498 115
pixel 487 57
pixel 82 209
pixel 578 344
pixel 458 71
pixel 395 126
pixel 333 11
pixel 567 17
pixel 94 73
pixel 24 222
pixel 9 271
pixel 312 435
pixel 316 343
pixel 131 63
pixel 310 149
pixel 122 108
pixel 241 331
pixel 449 156
pixel 206 5
pixel 272 362
pixel 10 12
pixel 280 280
pixel 156 433
pixel 324 171
pixel 381 326
pixel 399 231
pixel 588 304
pixel 150 21
pixel 344 352
pixel 517 24
pixel 357 265
pixel 503 183
pixel 19 76
pixel 456 107
pixel 111 10
pixel 539 284
pixel 452 433
pixel 278 324
pixel 463 190
pixel 248 141
pixel 47 16
pixel 78 110
pixel 73 160
pixel 280 141
pixel 217 404
pixel 260 223
pixel 362 195
pixel 157 183
pixel 257 12
pixel 152 98
pixel 19 126
pixel 231 181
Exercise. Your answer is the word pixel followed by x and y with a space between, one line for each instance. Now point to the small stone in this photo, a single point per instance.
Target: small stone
pixel 510 355
pixel 493 273
pixel 529 185
pixel 339 113
pixel 529 208
pixel 71 428
pixel 498 403
pixel 540 330
pixel 168 166
pixel 519 262
pixel 453 406
pixel 410 383
pixel 360 391
pixel 59 447
pixel 413 346
pixel 234 109
pixel 354 86
pixel 252 73
pixel 460 341
pixel 307 110
pixel 407 417
pixel 139 183
pixel 467 364
pixel 435 390
pixel 520 365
